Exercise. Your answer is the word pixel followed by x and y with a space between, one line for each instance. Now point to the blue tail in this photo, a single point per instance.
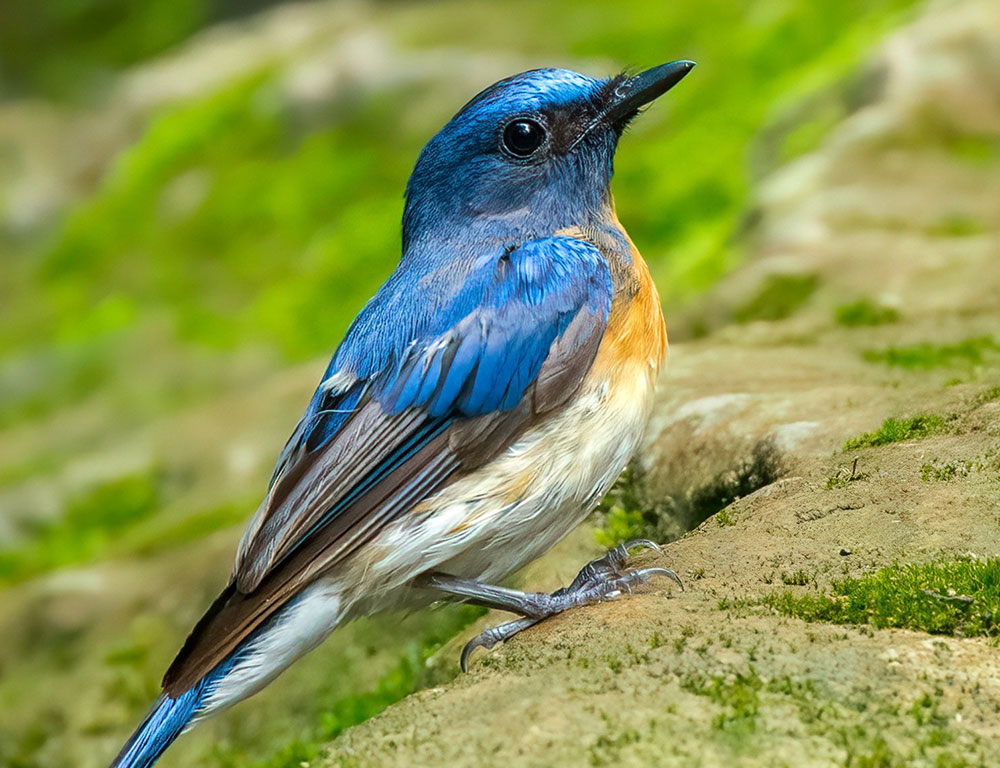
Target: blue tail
pixel 164 723
pixel 167 720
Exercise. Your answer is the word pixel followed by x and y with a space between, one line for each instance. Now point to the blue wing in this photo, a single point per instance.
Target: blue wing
pixel 440 372
pixel 499 334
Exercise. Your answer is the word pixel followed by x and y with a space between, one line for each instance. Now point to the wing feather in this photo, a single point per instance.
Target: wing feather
pixel 410 406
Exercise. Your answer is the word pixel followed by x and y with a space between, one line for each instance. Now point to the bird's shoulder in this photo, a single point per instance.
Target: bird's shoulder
pixel 636 330
pixel 434 290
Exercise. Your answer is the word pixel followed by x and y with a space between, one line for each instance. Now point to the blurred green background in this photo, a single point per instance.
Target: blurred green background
pixel 195 199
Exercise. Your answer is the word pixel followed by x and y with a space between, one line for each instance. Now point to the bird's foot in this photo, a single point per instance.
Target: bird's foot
pixel 605 578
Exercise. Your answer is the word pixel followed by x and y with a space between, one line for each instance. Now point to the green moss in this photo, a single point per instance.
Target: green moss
pixel 927 355
pixel 925 711
pixel 957 225
pixel 943 471
pixel 897 430
pixel 878 755
pixel 778 297
pixel 988 395
pixel 87 530
pixel 797 578
pixel 959 597
pixel 606 749
pixel 865 312
pixel 738 695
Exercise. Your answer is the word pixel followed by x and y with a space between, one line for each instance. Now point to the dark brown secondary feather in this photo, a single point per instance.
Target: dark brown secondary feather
pixel 235 614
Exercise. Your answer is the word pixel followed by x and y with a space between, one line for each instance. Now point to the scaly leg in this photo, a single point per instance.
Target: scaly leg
pixel 603 579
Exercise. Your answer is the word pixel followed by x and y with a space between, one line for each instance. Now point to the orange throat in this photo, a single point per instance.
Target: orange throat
pixel 636 333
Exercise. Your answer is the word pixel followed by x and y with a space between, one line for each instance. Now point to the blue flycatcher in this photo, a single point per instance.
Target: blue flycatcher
pixel 480 405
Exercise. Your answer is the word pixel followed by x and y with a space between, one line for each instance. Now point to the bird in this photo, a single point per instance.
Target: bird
pixel 477 409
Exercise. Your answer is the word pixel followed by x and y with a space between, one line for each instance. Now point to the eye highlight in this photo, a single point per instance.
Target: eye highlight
pixel 522 137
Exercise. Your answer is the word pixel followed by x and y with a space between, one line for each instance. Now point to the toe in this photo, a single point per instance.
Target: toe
pixel 642 544
pixel 490 637
pixel 645 574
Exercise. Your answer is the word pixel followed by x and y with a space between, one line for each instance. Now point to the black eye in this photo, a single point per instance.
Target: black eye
pixel 522 137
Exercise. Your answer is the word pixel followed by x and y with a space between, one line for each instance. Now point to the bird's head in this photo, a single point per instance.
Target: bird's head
pixel 530 154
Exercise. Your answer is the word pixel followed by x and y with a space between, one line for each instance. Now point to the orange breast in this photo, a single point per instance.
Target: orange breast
pixel 636 330
pixel 636 336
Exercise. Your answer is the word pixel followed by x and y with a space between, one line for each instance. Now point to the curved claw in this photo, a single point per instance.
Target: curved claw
pixel 646 573
pixel 490 637
pixel 643 544
pixel 618 557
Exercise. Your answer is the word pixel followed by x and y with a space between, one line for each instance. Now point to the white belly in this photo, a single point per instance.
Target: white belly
pixel 513 509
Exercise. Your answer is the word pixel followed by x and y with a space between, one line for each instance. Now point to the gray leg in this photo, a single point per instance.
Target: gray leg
pixel 603 579
pixel 537 605
pixel 494 635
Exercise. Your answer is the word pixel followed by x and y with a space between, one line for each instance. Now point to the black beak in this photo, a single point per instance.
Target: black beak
pixel 637 91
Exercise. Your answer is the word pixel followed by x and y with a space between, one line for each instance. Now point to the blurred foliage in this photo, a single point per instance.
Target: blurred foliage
pixel 957 225
pixel 89 525
pixel 233 222
pixel 85 40
pixel 865 312
pixel 778 297
pixel 927 355
pixel 200 214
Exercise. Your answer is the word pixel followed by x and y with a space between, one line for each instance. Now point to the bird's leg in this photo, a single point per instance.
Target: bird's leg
pixel 490 637
pixel 602 579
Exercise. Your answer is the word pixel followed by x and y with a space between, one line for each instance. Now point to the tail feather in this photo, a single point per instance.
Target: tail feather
pixel 294 630
pixel 164 723
pixel 166 720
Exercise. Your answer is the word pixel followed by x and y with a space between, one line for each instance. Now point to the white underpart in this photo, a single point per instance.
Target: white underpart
pixel 518 506
pixel 295 631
